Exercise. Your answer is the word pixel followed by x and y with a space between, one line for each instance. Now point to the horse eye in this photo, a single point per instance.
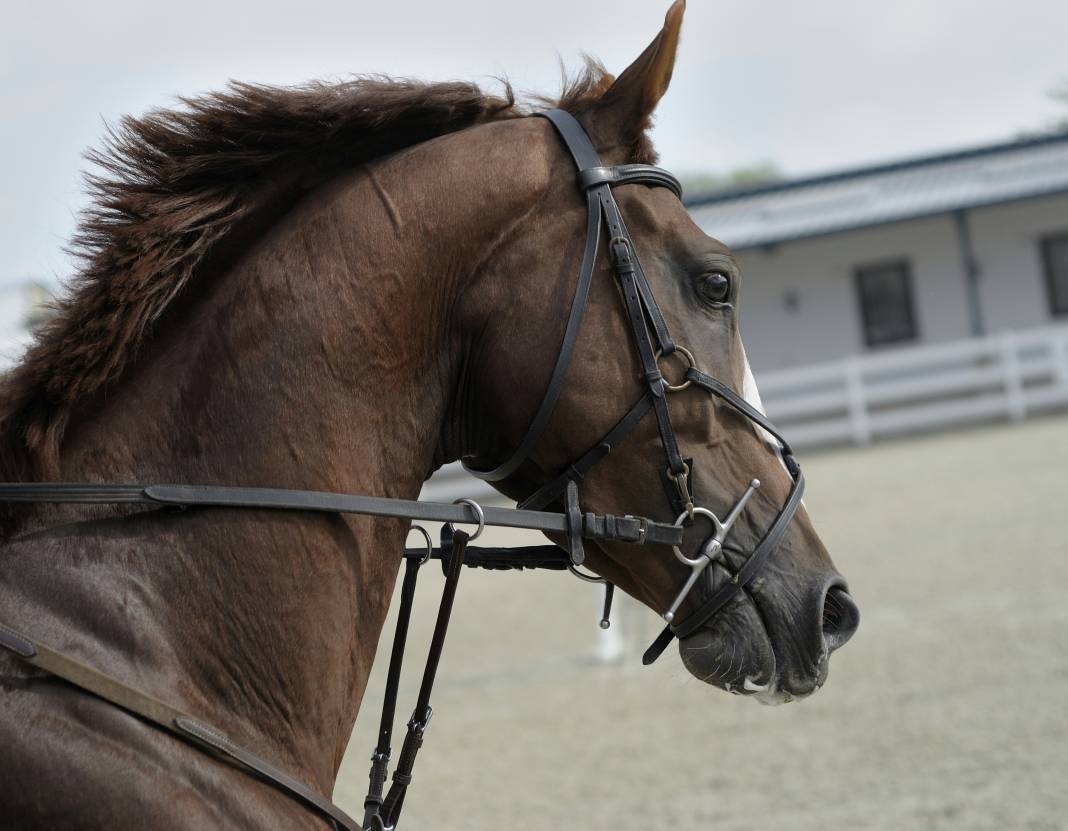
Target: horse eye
pixel 714 287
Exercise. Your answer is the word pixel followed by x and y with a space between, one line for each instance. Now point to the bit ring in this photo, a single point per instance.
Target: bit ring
pixel 682 558
pixel 479 513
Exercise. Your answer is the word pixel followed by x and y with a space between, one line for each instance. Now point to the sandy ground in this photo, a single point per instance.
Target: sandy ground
pixel 948 710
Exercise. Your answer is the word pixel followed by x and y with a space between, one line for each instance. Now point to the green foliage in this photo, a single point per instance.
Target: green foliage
pixel 742 177
pixel 1060 95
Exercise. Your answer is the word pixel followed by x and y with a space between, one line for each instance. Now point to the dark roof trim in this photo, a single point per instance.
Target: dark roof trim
pixel 897 220
pixel 875 170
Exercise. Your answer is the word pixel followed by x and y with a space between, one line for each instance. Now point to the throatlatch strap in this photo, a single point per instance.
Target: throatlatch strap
pixel 195 732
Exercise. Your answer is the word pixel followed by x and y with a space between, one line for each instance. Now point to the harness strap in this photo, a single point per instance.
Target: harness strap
pixel 625 263
pixel 596 527
pixel 718 388
pixel 574 531
pixel 563 358
pixel 372 804
pixel 577 470
pixel 413 740
pixel 704 612
pixel 517 558
pixel 585 155
pixel 596 181
pixel 625 174
pixel 174 721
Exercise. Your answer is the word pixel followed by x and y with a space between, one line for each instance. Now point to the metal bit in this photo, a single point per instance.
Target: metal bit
pixel 712 550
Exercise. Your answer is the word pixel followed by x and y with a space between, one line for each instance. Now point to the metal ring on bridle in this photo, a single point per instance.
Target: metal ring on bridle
pixel 429 542
pixel 479 514
pixel 682 558
pixel 688 356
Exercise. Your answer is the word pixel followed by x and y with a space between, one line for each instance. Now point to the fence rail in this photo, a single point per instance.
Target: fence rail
pixel 856 400
pixel 860 399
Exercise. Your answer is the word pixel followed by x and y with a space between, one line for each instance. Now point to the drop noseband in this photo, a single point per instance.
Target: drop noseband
pixel 652 341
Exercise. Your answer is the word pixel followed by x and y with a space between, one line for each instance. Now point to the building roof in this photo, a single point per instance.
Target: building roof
pixel 880 194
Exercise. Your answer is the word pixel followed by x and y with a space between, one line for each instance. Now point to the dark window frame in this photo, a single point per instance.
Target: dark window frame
pixel 904 266
pixel 1046 244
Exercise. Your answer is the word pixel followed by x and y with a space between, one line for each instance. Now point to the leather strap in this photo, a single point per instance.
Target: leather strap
pixel 372 804
pixel 596 180
pixel 413 740
pixel 720 389
pixel 707 609
pixel 625 174
pixel 563 357
pixel 574 520
pixel 703 613
pixel 577 470
pixel 516 558
pixel 174 721
pixel 623 529
pixel 741 578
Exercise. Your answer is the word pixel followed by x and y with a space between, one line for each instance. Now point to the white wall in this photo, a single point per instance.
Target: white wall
pixel 1012 281
pixel 827 323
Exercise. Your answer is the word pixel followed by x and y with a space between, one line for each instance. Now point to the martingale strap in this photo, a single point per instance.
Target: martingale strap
pixel 383 813
pixel 192 730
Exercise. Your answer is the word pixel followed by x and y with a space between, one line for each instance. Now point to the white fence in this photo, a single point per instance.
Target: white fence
pixel 1005 376
pixel 908 390
pixel 868 397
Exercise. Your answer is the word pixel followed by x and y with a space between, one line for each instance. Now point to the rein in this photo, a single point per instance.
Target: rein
pixel 653 343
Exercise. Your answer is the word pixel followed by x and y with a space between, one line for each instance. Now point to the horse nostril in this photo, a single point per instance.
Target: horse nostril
pixel 840 617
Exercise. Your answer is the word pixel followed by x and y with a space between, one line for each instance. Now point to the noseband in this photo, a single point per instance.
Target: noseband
pixel 653 342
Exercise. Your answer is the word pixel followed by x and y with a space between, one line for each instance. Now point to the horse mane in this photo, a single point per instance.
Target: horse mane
pixel 175 183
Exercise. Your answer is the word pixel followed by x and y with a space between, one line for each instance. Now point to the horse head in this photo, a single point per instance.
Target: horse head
pixel 664 332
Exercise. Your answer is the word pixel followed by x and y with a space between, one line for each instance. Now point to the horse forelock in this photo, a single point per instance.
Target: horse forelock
pixel 175 183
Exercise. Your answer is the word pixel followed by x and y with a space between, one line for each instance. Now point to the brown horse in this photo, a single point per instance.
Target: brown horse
pixel 343 287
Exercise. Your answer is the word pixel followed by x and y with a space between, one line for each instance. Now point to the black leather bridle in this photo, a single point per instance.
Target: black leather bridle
pixel 652 340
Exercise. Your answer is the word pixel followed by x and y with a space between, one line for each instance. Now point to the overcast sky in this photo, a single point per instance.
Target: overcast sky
pixel 809 86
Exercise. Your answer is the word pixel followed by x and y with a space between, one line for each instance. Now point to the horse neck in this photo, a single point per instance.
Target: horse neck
pixel 308 364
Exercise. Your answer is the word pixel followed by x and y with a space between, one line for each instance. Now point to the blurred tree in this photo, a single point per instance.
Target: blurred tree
pixel 1060 95
pixel 752 175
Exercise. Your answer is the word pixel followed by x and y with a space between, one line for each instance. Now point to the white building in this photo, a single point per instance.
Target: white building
pixel 22 306
pixel 923 251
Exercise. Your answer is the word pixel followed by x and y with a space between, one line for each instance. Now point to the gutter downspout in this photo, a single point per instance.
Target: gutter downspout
pixel 972 273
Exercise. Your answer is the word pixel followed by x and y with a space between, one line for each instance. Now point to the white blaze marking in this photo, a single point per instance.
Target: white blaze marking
pixel 752 397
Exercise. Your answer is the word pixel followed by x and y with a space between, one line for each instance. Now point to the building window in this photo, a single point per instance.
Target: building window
pixel 1055 259
pixel 886 308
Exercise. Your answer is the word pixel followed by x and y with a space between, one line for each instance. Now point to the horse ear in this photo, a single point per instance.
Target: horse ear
pixel 623 111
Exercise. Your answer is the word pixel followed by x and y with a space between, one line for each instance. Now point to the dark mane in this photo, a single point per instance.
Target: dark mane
pixel 174 183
